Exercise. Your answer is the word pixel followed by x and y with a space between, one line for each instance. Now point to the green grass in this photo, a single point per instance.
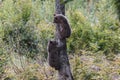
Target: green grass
pixel 26 26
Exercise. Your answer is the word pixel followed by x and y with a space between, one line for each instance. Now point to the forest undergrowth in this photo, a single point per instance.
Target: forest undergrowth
pixel 27 25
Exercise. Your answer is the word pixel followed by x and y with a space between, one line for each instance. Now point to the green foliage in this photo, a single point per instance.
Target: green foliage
pixel 3 61
pixel 20 28
pixel 1 64
pixel 82 33
pixel 102 35
pixel 26 26
pixel 19 33
pixel 89 67
pixel 7 78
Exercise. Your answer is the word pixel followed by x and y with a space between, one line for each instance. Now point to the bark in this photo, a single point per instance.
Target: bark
pixel 64 72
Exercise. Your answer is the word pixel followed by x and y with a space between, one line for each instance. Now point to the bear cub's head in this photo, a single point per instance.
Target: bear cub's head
pixel 52 45
pixel 59 18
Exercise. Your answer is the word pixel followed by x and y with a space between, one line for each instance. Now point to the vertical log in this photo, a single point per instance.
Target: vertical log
pixel 64 72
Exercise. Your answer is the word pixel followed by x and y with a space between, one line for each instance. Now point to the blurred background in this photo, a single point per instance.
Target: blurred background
pixel 93 48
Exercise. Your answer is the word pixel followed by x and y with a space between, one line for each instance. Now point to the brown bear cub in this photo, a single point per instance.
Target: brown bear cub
pixel 65 30
pixel 53 55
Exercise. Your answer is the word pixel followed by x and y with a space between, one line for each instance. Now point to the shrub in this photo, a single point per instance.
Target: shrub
pixel 3 62
pixel 20 27
pixel 98 37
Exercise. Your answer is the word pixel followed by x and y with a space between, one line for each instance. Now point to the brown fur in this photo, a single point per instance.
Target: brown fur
pixel 53 55
pixel 65 30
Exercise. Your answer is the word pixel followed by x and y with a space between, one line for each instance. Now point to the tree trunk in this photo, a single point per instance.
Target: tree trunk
pixel 117 4
pixel 64 72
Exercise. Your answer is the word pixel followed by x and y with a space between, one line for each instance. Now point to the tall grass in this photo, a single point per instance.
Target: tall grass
pixel 26 26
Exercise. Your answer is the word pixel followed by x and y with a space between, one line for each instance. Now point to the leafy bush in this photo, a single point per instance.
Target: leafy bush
pixel 19 34
pixel 102 35
pixel 26 26
pixel 3 62
pixel 82 33
pixel 21 27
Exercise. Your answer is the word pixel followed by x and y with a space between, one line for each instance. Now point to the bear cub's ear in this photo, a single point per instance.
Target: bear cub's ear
pixel 53 42
pixel 54 14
